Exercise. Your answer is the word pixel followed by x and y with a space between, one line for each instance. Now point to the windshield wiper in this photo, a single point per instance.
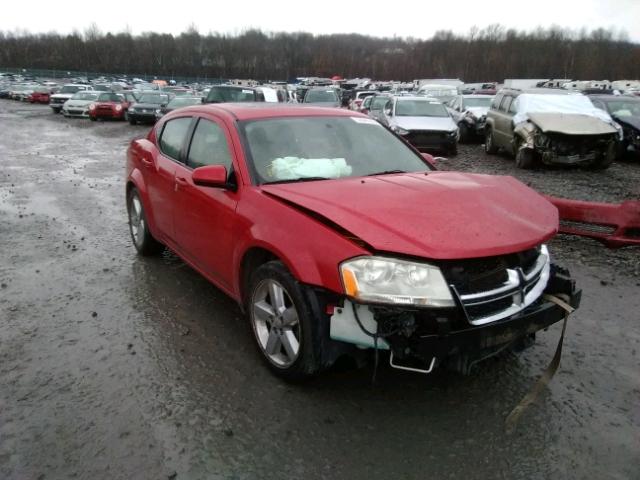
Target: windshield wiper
pixel 385 172
pixel 293 180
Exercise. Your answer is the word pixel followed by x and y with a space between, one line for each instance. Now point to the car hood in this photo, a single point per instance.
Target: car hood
pixel 150 106
pixel 478 111
pixel 78 103
pixel 571 123
pixel 439 215
pixel 425 123
pixel 633 122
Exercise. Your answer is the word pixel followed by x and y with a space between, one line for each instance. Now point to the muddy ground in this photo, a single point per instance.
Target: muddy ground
pixel 117 367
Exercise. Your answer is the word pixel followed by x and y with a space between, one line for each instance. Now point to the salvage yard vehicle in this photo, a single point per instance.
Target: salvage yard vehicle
pixel 41 95
pixel 231 93
pixel 108 105
pixel 423 122
pixel 470 114
pixel 551 126
pixel 335 236
pixel 178 102
pixel 67 91
pixel 625 110
pixel 78 105
pixel 322 97
pixel 147 107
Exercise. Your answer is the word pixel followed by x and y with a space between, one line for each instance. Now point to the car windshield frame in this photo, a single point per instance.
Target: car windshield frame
pixel 487 100
pixel 144 98
pixel 436 106
pixel 419 164
pixel 314 91
pixel 71 89
pixel 218 89
pixel 93 96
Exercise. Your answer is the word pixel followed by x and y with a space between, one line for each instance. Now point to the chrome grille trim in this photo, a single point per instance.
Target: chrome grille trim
pixel 524 288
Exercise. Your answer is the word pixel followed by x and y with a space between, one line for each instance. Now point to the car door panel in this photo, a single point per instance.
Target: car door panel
pixel 204 219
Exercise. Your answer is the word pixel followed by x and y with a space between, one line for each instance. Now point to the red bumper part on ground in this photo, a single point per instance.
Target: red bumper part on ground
pixel 615 225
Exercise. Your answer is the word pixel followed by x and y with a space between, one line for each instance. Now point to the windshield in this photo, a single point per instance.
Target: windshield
pixel 85 96
pixel 230 94
pixel 154 98
pixel 109 97
pixel 420 108
pixel 286 149
pixel 624 108
pixel 69 89
pixel 183 102
pixel 378 103
pixel 484 102
pixel 321 96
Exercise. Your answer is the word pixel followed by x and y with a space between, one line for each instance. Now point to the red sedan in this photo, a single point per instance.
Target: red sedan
pixel 40 95
pixel 108 105
pixel 334 235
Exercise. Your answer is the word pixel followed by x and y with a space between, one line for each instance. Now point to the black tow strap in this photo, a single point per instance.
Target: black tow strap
pixel 512 420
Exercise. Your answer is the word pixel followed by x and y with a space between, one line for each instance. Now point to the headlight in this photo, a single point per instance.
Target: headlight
pixel 618 127
pixel 92 106
pixel 391 281
pixel 453 133
pixel 158 111
pixel 118 108
pixel 399 130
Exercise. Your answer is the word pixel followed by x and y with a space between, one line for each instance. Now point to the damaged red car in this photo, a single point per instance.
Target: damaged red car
pixel 108 105
pixel 335 236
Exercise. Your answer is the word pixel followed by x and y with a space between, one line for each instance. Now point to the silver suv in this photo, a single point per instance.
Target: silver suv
pixel 550 127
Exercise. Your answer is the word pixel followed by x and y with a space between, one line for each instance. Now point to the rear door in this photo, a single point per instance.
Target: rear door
pixel 160 173
pixel 205 217
pixel 502 122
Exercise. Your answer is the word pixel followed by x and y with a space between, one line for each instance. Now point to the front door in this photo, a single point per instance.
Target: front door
pixel 204 217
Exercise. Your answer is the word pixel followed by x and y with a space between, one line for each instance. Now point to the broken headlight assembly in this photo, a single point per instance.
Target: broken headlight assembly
pixel 399 130
pixel 396 282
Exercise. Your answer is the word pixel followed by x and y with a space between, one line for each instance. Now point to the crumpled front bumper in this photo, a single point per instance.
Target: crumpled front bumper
pixel 423 337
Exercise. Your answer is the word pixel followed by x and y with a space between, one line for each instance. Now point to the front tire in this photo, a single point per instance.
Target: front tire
pixel 465 132
pixel 525 157
pixel 143 240
pixel 287 334
pixel 489 144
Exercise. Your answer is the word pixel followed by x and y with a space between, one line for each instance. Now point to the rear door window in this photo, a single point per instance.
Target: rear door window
pixel 209 146
pixel 506 103
pixel 496 101
pixel 173 136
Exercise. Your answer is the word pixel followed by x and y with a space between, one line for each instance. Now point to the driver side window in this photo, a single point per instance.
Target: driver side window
pixel 208 146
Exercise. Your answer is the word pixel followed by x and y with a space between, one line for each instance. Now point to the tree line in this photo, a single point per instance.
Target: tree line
pixel 488 54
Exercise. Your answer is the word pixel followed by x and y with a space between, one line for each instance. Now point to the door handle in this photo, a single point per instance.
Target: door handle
pixel 181 181
pixel 146 163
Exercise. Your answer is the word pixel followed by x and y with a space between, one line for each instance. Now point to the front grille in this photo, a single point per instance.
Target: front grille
pixel 58 100
pixel 426 137
pixel 494 288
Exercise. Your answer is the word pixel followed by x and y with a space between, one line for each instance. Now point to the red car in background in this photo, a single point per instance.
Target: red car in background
pixel 41 95
pixel 108 105
pixel 335 235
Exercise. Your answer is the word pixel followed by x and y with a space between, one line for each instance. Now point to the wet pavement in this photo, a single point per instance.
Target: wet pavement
pixel 117 367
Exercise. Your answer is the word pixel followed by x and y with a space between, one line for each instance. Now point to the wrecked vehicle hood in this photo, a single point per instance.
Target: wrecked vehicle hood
pixel 439 215
pixel 478 112
pixel 79 103
pixel 571 124
pixel 425 123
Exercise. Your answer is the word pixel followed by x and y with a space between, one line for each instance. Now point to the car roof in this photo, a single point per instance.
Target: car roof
pixel 477 95
pixel 259 110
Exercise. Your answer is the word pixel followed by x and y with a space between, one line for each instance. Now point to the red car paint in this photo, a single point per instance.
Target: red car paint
pixel 40 97
pixel 615 225
pixel 311 226
pixel 113 110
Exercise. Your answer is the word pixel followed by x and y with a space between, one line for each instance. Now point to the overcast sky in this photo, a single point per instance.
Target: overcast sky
pixel 406 18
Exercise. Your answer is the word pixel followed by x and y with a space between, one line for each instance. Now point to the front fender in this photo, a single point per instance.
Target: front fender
pixel 525 131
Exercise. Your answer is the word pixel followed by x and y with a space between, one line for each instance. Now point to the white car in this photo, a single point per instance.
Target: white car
pixel 58 100
pixel 470 114
pixel 78 105
pixel 423 122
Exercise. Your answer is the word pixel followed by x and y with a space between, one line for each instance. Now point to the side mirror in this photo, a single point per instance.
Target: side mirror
pixel 210 176
pixel 387 111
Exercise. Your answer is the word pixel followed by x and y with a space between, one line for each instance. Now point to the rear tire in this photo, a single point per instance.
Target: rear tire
pixel 489 144
pixel 605 159
pixel 525 157
pixel 141 236
pixel 287 334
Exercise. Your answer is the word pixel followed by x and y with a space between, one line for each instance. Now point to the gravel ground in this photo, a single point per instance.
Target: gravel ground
pixel 118 367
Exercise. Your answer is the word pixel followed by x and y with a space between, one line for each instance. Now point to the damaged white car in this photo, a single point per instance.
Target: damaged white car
pixel 551 127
